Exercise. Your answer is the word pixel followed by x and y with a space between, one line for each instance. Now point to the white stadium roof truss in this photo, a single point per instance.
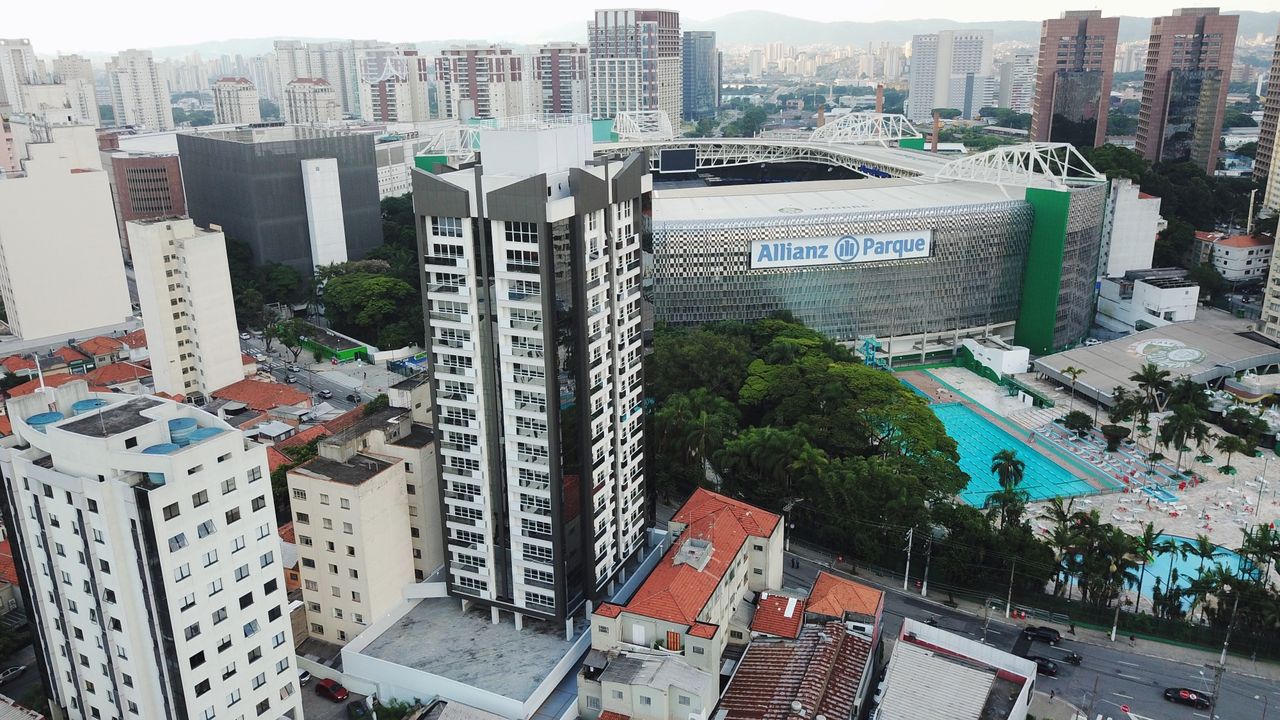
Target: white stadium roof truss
pixel 643 126
pixel 852 128
pixel 1023 165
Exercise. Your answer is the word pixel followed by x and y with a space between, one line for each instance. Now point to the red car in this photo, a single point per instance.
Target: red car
pixel 331 689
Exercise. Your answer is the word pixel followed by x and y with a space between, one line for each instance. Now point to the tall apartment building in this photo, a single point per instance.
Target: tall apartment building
pixel 296 195
pixel 8 151
pixel 1271 300
pixel 292 62
pixel 138 96
pixel 184 288
pixel 701 68
pixel 70 101
pixel 145 538
pixel 71 67
pixel 1073 78
pixel 57 221
pixel 539 395
pixel 1018 82
pixel 486 82
pixel 335 62
pixel 235 101
pixel 635 62
pixel 1184 93
pixel 1266 166
pixel 950 69
pixel 395 85
pixel 562 71
pixel 310 101
pixel 143 186
pixel 359 524
pixel 18 66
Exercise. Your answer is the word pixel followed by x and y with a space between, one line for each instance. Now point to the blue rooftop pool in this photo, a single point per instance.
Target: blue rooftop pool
pixel 979 439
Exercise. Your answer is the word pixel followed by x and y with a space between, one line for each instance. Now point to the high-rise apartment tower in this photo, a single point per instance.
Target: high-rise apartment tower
pixel 635 62
pixel 1073 78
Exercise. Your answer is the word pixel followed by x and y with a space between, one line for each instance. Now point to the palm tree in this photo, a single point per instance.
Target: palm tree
pixel 1173 547
pixel 1179 427
pixel 1202 547
pixel 1009 501
pixel 1074 373
pixel 1146 546
pixel 1152 382
pixel 1232 444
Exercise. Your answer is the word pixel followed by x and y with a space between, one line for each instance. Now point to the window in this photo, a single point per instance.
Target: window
pixel 646 700
pixel 311 585
pixel 317 629
pixel 233 515
pixel 200 498
pixel 233 697
pixel 299 494
pixel 327 523
pixel 215 587
pixel 698 650
pixel 182 572
pixel 355 596
pixel 617 694
pixel 210 558
pixel 347 529
pixel 177 542
pixel 255 654
pixel 242 572
pixel 192 631
pixel 202 687
pixel 196 660
pixel 259 502
pixel 188 601
pixel 246 600
pixel 344 503
pixel 446 226
pixel 682 699
pixel 206 528
pixel 358 618
pixel 219 615
pixel 267 559
pixel 228 485
pixel 324 499
pixel 263 706
pixel 251 628
pixel 171 511
pixel 282 665
pixel 593 702
pixel 277 640
pixel 237 545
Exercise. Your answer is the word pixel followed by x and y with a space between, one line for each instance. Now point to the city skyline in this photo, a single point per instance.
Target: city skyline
pixel 150 26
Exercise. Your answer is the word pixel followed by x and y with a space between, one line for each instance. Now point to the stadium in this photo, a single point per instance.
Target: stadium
pixel 917 250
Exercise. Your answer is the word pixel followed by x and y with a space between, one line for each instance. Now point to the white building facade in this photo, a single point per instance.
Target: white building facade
pixel 486 81
pixel 1143 300
pixel 235 101
pixel 395 85
pixel 184 288
pixel 1129 230
pixel 70 101
pixel 542 407
pixel 138 96
pixel 950 69
pixel 1271 300
pixel 636 62
pixel 146 539
pixel 1018 82
pixel 57 219
pixel 309 101
pixel 18 66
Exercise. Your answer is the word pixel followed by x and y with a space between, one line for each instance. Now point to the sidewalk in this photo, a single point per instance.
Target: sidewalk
pixel 1059 709
pixel 1151 648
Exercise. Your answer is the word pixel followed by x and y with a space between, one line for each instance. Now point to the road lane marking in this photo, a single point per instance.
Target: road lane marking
pixel 1122 695
pixel 1130 664
pixel 1129 677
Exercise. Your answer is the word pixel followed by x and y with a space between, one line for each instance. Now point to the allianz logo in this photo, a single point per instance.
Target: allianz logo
pixel 844 249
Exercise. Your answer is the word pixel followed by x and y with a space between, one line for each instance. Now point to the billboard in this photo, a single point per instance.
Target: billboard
pixel 841 250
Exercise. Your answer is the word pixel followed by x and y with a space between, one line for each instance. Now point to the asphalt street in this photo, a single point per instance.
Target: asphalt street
pixel 1108 677
pixel 307 381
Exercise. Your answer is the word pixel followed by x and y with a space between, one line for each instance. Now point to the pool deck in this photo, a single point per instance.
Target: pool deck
pixel 940 392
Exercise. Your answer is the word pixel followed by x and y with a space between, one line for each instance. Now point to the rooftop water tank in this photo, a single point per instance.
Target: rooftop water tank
pixel 205 433
pixel 84 406
pixel 180 430
pixel 161 449
pixel 40 421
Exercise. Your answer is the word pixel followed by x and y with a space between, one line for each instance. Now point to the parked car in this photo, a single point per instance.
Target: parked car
pixel 357 710
pixel 304 677
pixel 259 357
pixel 291 378
pixel 245 336
pixel 331 689
pixel 1044 665
pixel 1187 696
pixel 1043 634
pixel 354 398
pixel 294 368
pixel 325 394
pixel 9 674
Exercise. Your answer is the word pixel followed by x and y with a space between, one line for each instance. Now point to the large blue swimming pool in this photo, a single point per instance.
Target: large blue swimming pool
pixel 979 439
pixel 1188 568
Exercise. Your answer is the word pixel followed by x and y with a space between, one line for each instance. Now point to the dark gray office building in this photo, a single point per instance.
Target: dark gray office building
pixel 701 75
pixel 296 195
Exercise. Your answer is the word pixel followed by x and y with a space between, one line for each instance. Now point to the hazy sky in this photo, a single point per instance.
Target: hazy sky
pixel 91 25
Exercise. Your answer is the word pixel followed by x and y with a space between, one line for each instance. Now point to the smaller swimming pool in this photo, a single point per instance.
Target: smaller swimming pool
pixel 979 439
pixel 1188 568
pixel 1160 493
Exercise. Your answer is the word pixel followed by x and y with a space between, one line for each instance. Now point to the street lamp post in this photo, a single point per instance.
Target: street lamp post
pixel 1265 704
pixel 1115 623
pixel 1222 659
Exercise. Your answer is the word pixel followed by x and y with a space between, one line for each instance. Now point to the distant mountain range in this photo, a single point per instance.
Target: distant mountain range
pixel 757 27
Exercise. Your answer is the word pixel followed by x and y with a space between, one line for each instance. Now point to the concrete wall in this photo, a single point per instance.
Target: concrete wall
pixel 1002 361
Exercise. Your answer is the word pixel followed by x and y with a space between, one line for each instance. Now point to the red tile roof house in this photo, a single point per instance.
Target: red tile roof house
pixel 263 396
pixel 723 552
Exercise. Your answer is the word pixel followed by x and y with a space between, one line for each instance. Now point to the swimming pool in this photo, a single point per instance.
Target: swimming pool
pixel 1188 568
pixel 979 439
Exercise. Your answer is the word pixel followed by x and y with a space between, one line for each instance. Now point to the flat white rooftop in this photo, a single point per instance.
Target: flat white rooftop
pixel 801 200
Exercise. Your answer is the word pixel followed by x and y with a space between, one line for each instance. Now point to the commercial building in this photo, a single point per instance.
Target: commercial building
pixel 1018 82
pixel 539 410
pixel 65 68
pixel 57 221
pixel 395 85
pixel 296 195
pixel 184 289
pixel 146 541
pixel 701 68
pixel 144 186
pixel 1129 230
pixel 139 97
pixel 18 66
pixel 950 69
pixel 1266 165
pixel 937 675
pixel 71 101
pixel 1271 301
pixel 635 63
pixel 1144 299
pixel 1238 258
pixel 235 101
pixel 310 101
pixel 1073 78
pixel 486 81
pixel 562 70
pixel 691 606
pixel 1184 94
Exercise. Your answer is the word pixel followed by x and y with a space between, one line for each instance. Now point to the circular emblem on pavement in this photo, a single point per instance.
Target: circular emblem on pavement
pixel 790 210
pixel 1168 354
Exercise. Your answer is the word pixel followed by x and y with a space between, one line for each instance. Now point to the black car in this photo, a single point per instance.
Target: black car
pixel 1044 665
pixel 357 710
pixel 1187 696
pixel 353 398
pixel 1043 634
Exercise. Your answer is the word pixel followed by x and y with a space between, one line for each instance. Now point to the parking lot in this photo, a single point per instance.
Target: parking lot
pixel 315 707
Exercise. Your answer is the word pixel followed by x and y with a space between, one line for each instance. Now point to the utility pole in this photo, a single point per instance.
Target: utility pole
pixel 1222 659
pixel 1093 698
pixel 928 554
pixel 1008 603
pixel 906 576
